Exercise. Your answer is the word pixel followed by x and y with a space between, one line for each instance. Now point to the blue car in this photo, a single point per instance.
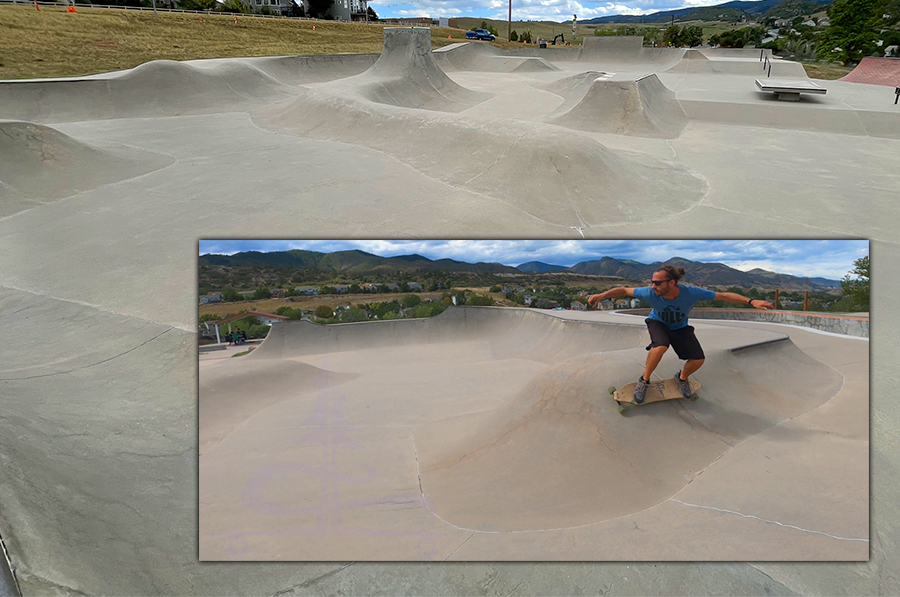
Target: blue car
pixel 480 34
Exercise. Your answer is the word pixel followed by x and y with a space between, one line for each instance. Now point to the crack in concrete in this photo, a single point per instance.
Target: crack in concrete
pixel 132 349
pixel 312 581
pixel 503 155
pixel 781 524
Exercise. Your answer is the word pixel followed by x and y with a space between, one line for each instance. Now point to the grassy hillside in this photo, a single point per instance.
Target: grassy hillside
pixel 54 43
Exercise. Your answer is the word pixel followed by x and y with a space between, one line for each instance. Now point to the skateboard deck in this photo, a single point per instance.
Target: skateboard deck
pixel 657 391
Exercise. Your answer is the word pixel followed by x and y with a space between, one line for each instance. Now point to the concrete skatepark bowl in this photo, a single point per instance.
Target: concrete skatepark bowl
pixel 107 182
pixel 487 433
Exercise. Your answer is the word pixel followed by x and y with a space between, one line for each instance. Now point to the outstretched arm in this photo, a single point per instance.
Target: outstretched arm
pixel 595 299
pixel 731 297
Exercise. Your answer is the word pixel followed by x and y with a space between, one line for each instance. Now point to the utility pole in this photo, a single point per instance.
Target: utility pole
pixel 509 23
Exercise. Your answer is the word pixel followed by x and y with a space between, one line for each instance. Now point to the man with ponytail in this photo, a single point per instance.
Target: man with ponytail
pixel 668 322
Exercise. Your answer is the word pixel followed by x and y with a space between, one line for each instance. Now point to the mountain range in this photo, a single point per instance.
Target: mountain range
pixel 728 11
pixel 359 263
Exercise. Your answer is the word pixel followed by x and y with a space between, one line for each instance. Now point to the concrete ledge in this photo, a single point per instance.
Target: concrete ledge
pixel 789 90
pixel 848 325
pixel 211 347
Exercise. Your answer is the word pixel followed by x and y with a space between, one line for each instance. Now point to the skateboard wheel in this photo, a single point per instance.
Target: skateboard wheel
pixel 622 409
pixel 694 397
pixel 611 390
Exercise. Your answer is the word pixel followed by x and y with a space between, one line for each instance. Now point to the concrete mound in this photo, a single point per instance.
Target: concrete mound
pixel 559 454
pixel 573 87
pixel 875 71
pixel 644 108
pixel 41 165
pixel 302 69
pixel 534 167
pixel 231 395
pixel 484 58
pixel 407 76
pixel 154 89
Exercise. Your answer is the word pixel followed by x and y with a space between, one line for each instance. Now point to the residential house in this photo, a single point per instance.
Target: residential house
pixel 578 306
pixel 782 23
pixel 276 6
pixel 809 23
pixel 622 304
pixel 415 287
pixel 393 287
pixel 278 293
pixel 824 22
pixel 306 290
pixel 606 304
pixel 349 10
pixel 342 288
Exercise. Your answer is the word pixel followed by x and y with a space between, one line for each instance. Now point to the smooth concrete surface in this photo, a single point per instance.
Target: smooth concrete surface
pixel 98 370
pixel 487 434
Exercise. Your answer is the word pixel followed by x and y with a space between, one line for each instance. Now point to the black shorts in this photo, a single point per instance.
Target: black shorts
pixel 682 340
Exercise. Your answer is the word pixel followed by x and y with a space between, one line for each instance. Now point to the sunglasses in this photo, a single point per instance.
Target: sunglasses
pixel 658 282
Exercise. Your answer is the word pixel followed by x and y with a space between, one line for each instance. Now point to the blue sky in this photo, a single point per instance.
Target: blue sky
pixel 529 10
pixel 815 258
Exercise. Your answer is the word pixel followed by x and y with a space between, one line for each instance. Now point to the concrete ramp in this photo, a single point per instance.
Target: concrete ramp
pixel 41 165
pixel 875 71
pixel 627 52
pixel 591 464
pixel 700 61
pixel 162 88
pixel 407 76
pixel 619 47
pixel 746 53
pixel 644 108
pixel 225 392
pixel 470 56
pixel 154 89
pixel 510 333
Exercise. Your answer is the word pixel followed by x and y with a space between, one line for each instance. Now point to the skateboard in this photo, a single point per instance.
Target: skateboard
pixel 657 391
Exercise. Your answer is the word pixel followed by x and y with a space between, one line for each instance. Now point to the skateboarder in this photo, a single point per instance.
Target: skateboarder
pixel 668 322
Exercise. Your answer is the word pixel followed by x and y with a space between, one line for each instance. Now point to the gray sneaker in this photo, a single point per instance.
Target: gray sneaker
pixel 640 389
pixel 684 386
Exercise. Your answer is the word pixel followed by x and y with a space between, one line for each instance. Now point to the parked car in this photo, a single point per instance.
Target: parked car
pixel 480 34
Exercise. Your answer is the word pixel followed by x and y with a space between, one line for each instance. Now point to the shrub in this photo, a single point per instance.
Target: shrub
pixel 324 312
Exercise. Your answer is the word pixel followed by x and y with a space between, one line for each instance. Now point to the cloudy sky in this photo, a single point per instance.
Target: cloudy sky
pixel 529 10
pixel 815 258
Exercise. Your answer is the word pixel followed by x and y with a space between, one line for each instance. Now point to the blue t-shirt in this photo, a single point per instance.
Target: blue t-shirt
pixel 674 313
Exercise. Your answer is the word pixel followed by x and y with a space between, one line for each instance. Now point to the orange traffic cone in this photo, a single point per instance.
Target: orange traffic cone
pixel 71 8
